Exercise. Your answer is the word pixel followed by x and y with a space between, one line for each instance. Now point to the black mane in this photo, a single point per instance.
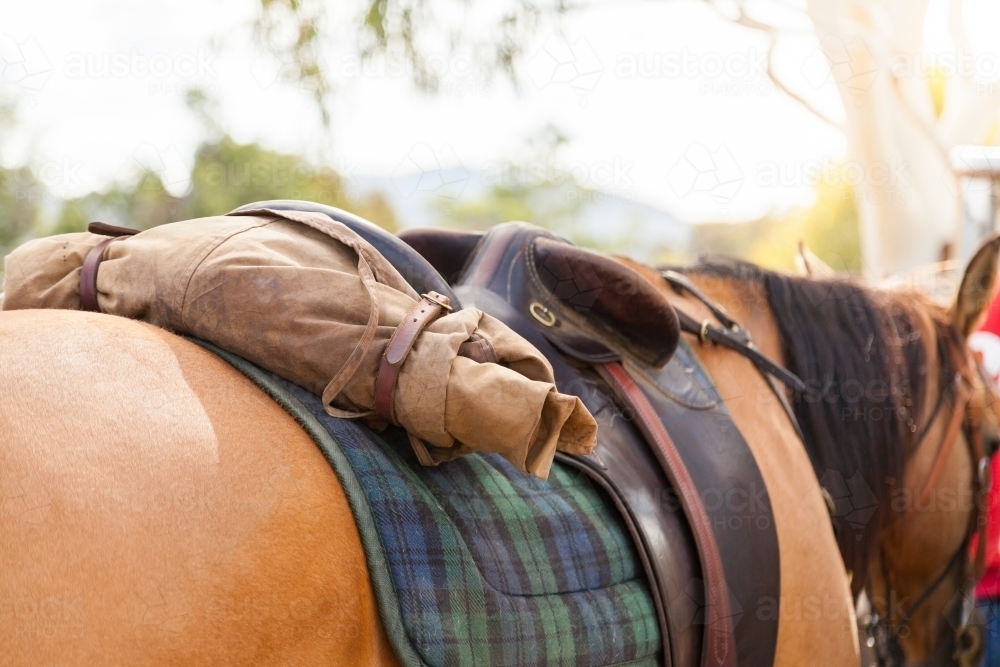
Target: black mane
pixel 862 354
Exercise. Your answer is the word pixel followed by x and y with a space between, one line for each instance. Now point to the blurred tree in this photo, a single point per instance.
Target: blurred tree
pixel 225 175
pixel 829 227
pixel 414 32
pixel 900 117
pixel 20 204
pixel 21 194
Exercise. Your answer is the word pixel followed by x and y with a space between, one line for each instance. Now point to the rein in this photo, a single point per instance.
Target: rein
pixel 883 633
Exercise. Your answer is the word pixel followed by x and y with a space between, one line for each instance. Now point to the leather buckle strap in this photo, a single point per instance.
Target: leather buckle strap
pixel 719 648
pixel 399 346
pixel 88 274
pixel 737 341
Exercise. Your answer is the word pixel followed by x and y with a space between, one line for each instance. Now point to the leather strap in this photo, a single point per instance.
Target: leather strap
pixel 104 229
pixel 720 642
pixel 738 341
pixel 88 274
pixel 947 442
pixel 403 338
pixel 681 283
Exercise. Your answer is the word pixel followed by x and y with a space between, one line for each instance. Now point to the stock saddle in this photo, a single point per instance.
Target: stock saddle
pixel 668 454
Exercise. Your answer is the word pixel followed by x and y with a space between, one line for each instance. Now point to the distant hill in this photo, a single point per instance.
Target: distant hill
pixel 610 221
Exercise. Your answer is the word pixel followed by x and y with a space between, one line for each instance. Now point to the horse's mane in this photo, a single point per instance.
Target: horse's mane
pixel 865 355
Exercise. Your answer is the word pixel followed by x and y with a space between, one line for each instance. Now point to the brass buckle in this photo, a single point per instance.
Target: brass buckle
pixel 439 299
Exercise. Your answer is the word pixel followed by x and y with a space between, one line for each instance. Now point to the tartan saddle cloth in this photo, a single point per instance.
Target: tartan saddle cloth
pixel 476 563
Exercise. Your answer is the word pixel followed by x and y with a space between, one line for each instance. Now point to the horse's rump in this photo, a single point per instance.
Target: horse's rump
pixel 158 508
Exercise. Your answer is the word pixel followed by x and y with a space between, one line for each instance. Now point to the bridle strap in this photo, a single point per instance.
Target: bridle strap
pixel 947 444
pixel 980 480
pixel 952 562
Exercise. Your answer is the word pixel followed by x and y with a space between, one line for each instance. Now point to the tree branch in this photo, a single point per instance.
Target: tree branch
pixel 772 34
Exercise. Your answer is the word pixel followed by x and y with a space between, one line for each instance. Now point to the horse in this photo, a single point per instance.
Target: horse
pixel 898 424
pixel 158 508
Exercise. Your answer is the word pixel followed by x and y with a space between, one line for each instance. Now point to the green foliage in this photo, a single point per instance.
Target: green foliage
pixel 21 196
pixel 414 32
pixel 291 30
pixel 225 175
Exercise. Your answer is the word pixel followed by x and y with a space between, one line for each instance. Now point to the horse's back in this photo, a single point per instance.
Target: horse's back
pixel 158 508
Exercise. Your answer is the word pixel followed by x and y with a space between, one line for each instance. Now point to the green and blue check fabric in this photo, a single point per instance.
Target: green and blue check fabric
pixel 491 566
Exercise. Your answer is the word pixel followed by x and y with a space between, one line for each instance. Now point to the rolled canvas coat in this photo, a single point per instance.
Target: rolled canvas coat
pixel 307 298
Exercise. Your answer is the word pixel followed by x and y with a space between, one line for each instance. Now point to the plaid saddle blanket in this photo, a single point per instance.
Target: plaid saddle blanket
pixel 476 563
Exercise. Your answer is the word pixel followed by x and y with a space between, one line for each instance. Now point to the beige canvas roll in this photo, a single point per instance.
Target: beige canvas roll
pixel 305 297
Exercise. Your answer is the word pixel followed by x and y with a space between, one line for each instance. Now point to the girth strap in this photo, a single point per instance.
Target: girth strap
pixel 720 643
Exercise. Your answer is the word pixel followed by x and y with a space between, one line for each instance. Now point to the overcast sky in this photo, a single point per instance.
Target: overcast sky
pixel 651 95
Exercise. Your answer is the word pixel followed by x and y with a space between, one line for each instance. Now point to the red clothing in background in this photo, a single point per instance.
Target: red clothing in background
pixel 986 341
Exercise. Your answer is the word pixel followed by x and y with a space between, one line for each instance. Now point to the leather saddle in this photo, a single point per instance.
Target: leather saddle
pixel 668 454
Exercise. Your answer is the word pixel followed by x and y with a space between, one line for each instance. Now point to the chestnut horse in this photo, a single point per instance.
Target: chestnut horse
pixel 899 420
pixel 157 508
